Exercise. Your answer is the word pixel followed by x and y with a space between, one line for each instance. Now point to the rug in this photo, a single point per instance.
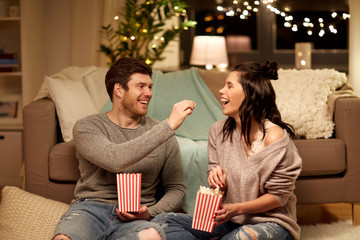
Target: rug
pixel 27 216
pixel 342 230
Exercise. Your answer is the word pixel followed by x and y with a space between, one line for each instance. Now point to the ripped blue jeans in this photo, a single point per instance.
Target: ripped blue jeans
pixel 95 220
pixel 177 226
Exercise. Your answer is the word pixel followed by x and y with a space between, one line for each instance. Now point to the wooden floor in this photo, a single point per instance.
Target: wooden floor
pixel 323 213
pixel 317 213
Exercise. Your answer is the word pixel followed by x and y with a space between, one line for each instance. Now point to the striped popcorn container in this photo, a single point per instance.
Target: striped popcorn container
pixel 129 191
pixel 207 203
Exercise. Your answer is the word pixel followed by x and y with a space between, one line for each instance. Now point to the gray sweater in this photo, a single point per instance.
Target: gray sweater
pixel 273 170
pixel 104 149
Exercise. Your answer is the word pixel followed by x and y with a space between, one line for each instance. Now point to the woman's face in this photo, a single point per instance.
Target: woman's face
pixel 232 94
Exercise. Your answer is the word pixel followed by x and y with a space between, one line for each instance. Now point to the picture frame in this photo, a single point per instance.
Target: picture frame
pixel 11 109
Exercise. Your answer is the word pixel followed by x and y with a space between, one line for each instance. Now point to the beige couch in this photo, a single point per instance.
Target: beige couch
pixel 330 166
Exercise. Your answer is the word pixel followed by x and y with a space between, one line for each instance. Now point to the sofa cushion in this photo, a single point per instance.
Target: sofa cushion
pixel 72 102
pixel 321 156
pixel 63 164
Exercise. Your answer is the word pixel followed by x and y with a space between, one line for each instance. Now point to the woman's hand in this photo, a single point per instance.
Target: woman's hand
pixel 261 204
pixel 143 214
pixel 217 178
pixel 225 213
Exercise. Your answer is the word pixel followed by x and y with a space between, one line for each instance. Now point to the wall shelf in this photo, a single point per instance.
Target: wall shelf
pixel 10 74
pixel 10 18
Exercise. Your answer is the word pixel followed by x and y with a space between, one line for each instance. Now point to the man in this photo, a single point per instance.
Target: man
pixel 124 140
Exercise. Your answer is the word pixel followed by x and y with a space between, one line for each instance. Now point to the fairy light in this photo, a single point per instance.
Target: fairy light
pixel 116 18
pixel 294 28
pixel 230 13
pixel 345 16
pixel 289 22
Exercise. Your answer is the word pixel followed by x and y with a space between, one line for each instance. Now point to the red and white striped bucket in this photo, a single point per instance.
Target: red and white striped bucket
pixel 129 191
pixel 205 207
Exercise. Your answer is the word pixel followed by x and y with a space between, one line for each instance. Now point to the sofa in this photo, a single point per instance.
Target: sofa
pixel 331 164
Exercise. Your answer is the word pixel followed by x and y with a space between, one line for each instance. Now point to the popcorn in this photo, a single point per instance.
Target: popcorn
pixel 129 191
pixel 208 201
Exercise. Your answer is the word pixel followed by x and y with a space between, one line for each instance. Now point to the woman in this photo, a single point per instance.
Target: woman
pixel 252 158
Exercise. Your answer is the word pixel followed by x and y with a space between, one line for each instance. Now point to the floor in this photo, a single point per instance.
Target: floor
pixel 317 213
pixel 323 213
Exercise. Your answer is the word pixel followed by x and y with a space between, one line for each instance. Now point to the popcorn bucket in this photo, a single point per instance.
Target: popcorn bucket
pixel 129 191
pixel 207 203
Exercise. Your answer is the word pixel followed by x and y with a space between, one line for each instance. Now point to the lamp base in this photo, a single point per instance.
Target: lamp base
pixel 209 66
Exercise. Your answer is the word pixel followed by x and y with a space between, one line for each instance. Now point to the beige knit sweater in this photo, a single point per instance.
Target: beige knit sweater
pixel 273 170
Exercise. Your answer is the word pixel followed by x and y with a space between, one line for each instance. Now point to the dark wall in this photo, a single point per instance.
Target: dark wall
pixel 266 39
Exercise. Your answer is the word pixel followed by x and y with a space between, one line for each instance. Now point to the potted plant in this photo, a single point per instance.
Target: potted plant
pixel 142 33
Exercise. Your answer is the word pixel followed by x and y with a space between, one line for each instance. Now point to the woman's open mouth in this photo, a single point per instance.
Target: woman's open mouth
pixel 225 101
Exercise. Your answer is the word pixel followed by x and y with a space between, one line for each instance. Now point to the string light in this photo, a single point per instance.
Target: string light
pixel 244 11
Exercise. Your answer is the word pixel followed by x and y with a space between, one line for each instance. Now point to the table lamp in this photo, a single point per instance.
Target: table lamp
pixel 209 51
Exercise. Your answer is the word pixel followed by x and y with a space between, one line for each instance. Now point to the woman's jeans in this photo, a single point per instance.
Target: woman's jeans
pixel 177 226
pixel 94 220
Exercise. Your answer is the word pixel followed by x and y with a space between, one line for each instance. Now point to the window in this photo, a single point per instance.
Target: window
pixel 212 22
pixel 338 39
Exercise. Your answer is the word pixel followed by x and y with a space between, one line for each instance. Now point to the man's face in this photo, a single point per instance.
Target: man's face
pixel 136 100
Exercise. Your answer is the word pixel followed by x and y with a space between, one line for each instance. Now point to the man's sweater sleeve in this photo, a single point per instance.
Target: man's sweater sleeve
pixel 99 150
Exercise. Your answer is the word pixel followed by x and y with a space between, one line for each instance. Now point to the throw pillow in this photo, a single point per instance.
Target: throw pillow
pixel 72 102
pixel 302 96
pixel 95 85
pixel 28 216
pixel 71 72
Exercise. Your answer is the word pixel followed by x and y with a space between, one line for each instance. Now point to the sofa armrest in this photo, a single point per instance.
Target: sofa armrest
pixel 40 135
pixel 347 128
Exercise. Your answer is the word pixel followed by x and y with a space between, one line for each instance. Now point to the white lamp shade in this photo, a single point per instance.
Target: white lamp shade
pixel 209 50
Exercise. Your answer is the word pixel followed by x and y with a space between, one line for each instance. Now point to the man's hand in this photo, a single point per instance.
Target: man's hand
pixel 179 113
pixel 143 214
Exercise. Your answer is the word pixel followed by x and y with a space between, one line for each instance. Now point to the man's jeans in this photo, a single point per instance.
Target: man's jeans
pixel 94 220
